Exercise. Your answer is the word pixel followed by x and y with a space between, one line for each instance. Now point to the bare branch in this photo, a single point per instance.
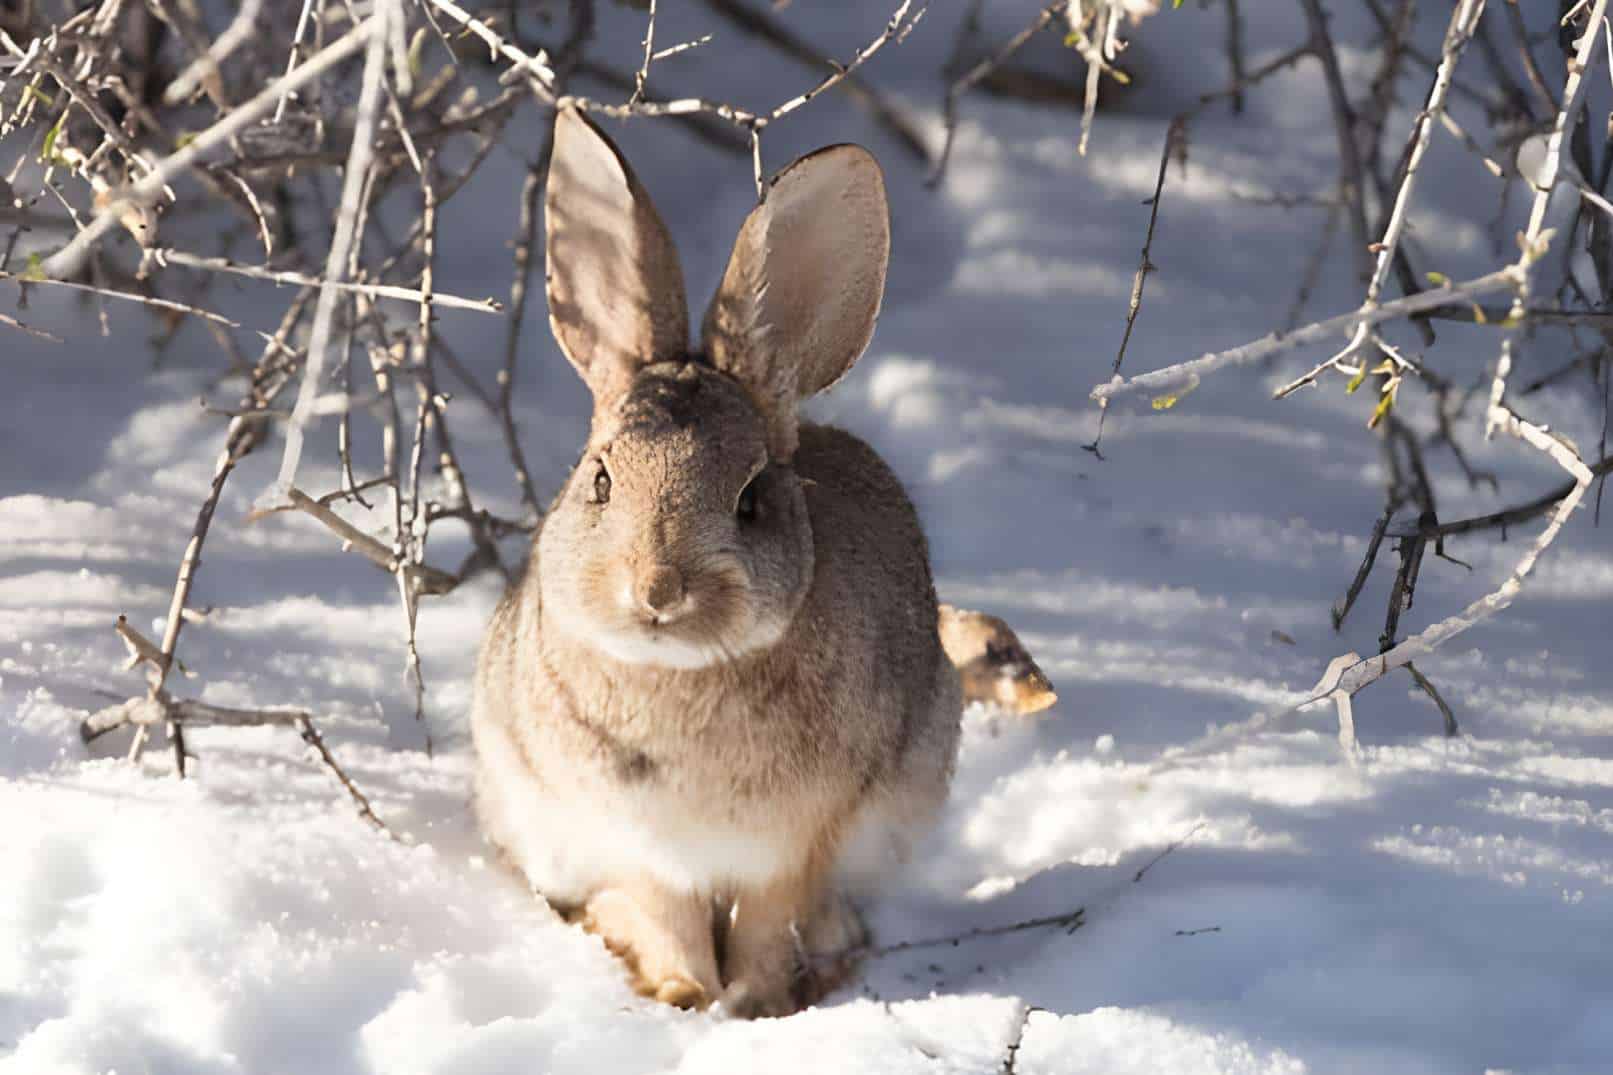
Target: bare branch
pixel 426 579
pixel 1543 181
pixel 1173 137
pixel 343 244
pixel 539 76
pixel 239 31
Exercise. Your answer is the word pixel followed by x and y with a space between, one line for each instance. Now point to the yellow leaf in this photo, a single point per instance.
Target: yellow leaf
pixel 1382 409
pixel 1438 279
pixel 1168 400
pixel 417 48
pixel 47 152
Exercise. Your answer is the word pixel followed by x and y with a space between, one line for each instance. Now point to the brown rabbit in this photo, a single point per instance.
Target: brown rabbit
pixel 717 700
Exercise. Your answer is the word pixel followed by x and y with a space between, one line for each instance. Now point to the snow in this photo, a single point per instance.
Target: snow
pixel 1437 906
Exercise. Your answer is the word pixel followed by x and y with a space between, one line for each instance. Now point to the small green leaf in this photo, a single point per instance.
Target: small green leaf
pixel 417 49
pixel 31 91
pixel 1438 279
pixel 35 270
pixel 183 139
pixel 1382 409
pixel 1357 381
pixel 1165 403
pixel 47 151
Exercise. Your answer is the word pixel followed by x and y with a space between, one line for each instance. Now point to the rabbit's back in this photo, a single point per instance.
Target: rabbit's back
pixel 872 588
pixel 864 524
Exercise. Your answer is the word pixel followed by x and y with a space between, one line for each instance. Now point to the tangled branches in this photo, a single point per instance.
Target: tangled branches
pixel 1542 162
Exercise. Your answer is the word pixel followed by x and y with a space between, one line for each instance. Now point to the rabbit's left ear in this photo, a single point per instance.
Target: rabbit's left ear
pixel 798 302
pixel 616 299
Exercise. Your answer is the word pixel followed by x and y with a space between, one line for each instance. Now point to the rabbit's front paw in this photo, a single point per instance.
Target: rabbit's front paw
pixel 763 997
pixel 765 962
pixel 680 992
pixel 663 934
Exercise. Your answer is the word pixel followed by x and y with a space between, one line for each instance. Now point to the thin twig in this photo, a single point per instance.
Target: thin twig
pixel 168 255
pixel 765 27
pixel 1353 174
pixel 970 78
pixel 1173 135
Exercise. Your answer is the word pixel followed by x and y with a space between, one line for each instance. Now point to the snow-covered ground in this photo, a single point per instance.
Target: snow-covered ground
pixel 1439 906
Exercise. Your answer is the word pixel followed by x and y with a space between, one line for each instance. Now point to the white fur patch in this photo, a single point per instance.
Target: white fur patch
pixel 570 843
pixel 661 650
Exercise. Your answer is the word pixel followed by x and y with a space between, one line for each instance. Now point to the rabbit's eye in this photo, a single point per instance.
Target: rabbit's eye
pixel 746 508
pixel 602 487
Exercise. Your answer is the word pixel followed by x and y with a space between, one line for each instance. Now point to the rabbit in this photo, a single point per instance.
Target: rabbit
pixel 715 706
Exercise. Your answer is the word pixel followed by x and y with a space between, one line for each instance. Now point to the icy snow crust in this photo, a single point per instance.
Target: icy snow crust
pixel 1443 906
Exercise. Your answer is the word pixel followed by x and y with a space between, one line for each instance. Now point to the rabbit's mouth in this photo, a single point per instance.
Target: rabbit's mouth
pixel 667 646
pixel 698 634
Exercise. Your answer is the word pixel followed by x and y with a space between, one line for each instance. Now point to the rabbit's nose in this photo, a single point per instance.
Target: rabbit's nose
pixel 660 590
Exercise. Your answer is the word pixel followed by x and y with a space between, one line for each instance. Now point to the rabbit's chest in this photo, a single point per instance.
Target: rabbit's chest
pixel 731 751
pixel 700 787
pixel 693 813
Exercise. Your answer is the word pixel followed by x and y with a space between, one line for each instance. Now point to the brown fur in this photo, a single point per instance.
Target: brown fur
pixel 721 671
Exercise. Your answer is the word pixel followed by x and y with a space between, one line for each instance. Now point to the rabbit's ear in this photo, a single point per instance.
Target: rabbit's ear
pixel 798 302
pixel 616 299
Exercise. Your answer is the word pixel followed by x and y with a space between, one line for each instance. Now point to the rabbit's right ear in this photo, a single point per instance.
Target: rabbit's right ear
pixel 616 299
pixel 799 299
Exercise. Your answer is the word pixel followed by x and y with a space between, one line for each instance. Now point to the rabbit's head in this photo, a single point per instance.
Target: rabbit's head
pixel 682 538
